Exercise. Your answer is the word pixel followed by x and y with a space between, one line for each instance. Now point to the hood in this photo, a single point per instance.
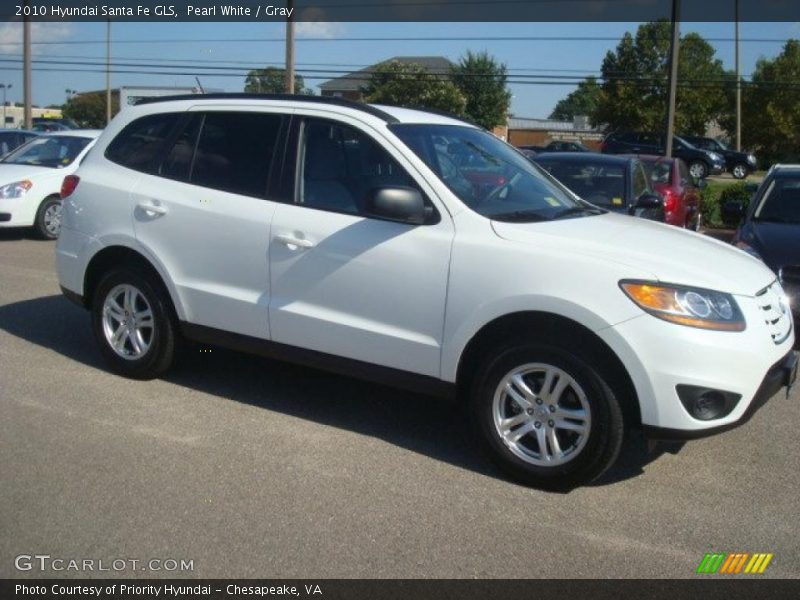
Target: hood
pixel 777 243
pixel 12 173
pixel 670 254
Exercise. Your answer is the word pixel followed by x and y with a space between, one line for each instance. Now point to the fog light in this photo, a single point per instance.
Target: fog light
pixel 706 404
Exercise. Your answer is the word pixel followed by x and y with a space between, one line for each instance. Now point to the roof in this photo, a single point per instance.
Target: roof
pixel 594 157
pixel 27 131
pixel 353 82
pixel 388 114
pixel 84 133
pixel 549 124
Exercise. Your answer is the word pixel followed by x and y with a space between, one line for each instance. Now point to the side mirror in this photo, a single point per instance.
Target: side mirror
pixel 649 201
pixel 402 204
pixel 732 212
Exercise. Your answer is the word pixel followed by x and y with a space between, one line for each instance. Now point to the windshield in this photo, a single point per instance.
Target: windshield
pixel 55 151
pixel 782 203
pixel 658 171
pixel 597 182
pixel 488 175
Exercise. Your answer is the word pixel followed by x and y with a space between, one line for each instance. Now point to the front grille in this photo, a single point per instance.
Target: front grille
pixel 775 312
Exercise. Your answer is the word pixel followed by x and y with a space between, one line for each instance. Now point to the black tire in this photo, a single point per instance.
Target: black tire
pixel 698 169
pixel 605 435
pixel 158 357
pixel 40 226
pixel 740 171
pixel 695 222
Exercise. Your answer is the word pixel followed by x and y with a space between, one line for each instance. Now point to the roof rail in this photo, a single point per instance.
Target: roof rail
pixel 375 112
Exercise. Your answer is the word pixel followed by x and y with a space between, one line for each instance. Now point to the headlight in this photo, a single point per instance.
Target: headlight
pixel 748 248
pixel 16 189
pixel 751 159
pixel 693 307
pixel 715 157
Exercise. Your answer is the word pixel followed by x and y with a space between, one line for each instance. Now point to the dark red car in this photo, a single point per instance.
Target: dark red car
pixel 670 177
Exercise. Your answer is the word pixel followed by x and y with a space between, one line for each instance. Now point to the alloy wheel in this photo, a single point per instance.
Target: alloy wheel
pixel 128 323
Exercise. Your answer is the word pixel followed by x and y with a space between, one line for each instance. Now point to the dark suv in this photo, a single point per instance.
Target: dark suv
pixel 740 164
pixel 701 162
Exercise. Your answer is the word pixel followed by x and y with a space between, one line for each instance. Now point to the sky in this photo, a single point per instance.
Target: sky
pixel 140 42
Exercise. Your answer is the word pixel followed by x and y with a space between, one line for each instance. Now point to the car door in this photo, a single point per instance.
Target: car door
pixel 204 213
pixel 347 284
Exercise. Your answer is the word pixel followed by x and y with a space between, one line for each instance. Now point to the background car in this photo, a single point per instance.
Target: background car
pixel 65 123
pixel 48 126
pixel 10 139
pixel 532 148
pixel 701 162
pixel 770 227
pixel 616 183
pixel 562 146
pixel 31 178
pixel 739 164
pixel 670 178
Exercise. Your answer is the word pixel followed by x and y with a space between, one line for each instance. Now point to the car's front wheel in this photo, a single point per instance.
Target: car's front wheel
pixel 133 324
pixel 740 171
pixel 545 416
pixel 48 218
pixel 698 169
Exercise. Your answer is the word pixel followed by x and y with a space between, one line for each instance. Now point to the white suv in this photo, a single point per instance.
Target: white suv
pixel 415 249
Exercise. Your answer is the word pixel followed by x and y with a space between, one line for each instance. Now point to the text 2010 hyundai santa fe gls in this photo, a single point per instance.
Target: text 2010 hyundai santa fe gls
pixel 415 249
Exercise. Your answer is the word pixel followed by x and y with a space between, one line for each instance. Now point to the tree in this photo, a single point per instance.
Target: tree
pixel 771 107
pixel 411 85
pixel 583 101
pixel 482 81
pixel 272 80
pixel 635 83
pixel 89 109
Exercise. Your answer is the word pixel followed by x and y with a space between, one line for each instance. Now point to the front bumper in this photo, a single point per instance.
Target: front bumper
pixel 781 374
pixel 716 168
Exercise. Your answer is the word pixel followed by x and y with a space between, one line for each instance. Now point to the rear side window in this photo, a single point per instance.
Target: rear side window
pixel 178 162
pixel 640 183
pixel 138 145
pixel 235 151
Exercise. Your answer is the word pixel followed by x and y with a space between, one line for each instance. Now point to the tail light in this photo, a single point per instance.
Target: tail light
pixel 670 200
pixel 68 185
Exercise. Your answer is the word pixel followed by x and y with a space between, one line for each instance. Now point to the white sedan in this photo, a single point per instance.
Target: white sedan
pixel 31 177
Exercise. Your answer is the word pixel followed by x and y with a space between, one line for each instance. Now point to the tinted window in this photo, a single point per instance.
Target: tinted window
pixel 640 183
pixel 659 171
pixel 178 162
pixel 683 171
pixel 341 165
pixel 600 183
pixel 235 151
pixel 138 145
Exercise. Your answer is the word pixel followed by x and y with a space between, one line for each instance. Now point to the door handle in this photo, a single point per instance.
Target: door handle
pixel 155 209
pixel 289 240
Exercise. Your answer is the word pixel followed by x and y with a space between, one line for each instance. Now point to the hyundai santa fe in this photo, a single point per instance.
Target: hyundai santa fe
pixel 417 250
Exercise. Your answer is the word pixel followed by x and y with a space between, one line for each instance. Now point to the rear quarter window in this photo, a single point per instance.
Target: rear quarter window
pixel 139 144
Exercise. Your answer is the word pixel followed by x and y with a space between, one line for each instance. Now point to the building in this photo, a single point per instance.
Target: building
pixel 540 132
pixel 349 86
pixel 14 115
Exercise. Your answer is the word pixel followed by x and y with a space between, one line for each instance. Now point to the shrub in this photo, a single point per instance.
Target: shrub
pixel 713 196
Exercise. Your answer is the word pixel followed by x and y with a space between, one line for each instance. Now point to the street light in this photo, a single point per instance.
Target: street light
pixel 4 87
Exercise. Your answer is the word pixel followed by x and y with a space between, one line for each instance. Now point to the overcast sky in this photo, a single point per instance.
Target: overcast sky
pixel 149 42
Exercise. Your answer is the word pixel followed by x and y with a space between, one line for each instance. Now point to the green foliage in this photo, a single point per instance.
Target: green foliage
pixel 771 108
pixel 412 85
pixel 89 110
pixel 715 194
pixel 272 80
pixel 482 81
pixel 583 101
pixel 635 82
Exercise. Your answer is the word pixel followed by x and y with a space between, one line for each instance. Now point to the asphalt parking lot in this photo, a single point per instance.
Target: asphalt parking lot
pixel 253 468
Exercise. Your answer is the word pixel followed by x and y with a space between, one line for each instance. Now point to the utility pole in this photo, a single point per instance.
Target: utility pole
pixel 4 86
pixel 738 83
pixel 26 73
pixel 289 84
pixel 108 71
pixel 673 74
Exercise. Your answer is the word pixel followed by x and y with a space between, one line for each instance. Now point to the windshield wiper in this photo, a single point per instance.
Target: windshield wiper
pixel 519 216
pixel 578 210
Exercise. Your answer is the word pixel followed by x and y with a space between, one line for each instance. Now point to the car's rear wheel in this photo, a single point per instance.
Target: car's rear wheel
pixel 133 324
pixel 740 171
pixel 545 416
pixel 48 218
pixel 698 169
